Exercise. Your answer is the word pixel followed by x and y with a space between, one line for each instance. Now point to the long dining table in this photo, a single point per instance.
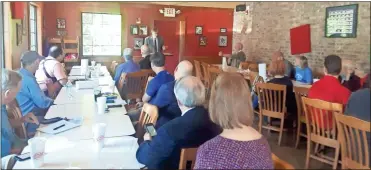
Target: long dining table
pixel 74 148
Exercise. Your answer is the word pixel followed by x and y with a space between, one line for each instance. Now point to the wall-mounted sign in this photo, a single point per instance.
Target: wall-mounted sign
pixel 169 12
pixel 341 21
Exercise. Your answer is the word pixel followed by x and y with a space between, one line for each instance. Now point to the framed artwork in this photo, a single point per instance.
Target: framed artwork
pixel 198 30
pixel 19 34
pixel 61 33
pixel 134 30
pixel 223 41
pixel 143 30
pixel 203 41
pixel 138 42
pixel 61 23
pixel 341 21
pixel 223 30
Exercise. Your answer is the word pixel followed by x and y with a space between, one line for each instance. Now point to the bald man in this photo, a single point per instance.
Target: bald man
pixel 145 63
pixel 165 99
pixel 348 78
pixel 236 58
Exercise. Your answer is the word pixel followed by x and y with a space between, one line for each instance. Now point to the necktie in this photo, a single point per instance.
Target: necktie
pixel 156 50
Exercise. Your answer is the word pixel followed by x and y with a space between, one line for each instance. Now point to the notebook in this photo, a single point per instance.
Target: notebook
pixel 53 128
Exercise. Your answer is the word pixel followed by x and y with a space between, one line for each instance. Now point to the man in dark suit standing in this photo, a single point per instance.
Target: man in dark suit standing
pixel 154 42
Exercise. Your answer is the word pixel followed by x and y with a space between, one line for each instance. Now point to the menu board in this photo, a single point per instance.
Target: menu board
pixel 341 21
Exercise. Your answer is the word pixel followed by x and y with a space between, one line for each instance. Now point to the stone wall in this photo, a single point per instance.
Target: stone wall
pixel 268 24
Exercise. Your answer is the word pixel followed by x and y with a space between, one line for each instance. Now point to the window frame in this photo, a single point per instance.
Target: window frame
pixel 82 36
pixel 35 20
pixel 2 40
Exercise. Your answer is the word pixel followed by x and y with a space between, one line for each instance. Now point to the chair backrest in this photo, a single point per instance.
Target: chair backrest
pixel 320 119
pixel 149 114
pixel 113 67
pixel 300 92
pixel 205 71
pixel 213 74
pixel 198 69
pixel 354 140
pixel 14 112
pixel 244 65
pixel 150 72
pixel 272 99
pixel 133 83
pixel 280 164
pixel 187 158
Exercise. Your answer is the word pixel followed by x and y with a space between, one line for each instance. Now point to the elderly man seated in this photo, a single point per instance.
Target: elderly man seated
pixel 165 99
pixel 191 129
pixel 145 63
pixel 348 78
pixel 31 99
pixel 10 85
pixel 128 66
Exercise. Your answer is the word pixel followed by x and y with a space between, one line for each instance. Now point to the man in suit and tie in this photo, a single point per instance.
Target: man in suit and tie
pixel 154 42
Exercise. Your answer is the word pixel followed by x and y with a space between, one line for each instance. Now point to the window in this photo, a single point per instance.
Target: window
pixel 101 34
pixel 2 36
pixel 33 28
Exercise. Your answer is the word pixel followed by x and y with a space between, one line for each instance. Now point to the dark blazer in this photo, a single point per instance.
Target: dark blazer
pixel 187 131
pixel 167 104
pixel 150 43
pixel 145 63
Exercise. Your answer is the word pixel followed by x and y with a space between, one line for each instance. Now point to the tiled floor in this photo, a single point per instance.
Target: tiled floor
pixel 287 151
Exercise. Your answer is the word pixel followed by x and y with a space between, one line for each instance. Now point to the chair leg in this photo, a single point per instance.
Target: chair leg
pixel 270 124
pixel 281 132
pixel 298 135
pixel 336 159
pixel 309 143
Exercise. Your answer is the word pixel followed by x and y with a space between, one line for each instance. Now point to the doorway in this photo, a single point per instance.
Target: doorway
pixel 169 31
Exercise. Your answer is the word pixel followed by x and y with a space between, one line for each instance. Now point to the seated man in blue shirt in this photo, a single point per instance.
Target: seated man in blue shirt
pixel 10 85
pixel 31 99
pixel 165 99
pixel 128 67
pixel 162 77
pixel 190 130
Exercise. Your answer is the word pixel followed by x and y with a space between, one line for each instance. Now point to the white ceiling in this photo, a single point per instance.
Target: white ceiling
pixel 201 4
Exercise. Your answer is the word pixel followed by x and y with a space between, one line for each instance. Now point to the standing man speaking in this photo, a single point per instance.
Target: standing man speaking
pixel 154 42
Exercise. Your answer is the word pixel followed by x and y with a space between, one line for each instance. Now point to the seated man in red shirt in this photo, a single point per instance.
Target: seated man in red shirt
pixel 329 88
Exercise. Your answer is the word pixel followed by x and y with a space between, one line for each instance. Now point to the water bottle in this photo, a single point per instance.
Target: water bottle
pixel 69 89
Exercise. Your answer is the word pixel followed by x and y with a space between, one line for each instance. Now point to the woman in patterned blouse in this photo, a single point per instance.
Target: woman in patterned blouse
pixel 239 146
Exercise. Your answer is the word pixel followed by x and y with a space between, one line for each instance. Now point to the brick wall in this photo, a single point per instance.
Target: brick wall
pixel 268 24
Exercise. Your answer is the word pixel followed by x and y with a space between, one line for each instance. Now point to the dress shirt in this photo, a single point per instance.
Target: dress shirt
pixel 30 95
pixel 9 140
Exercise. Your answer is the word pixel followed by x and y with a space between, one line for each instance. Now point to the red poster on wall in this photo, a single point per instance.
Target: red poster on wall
pixel 17 9
pixel 300 39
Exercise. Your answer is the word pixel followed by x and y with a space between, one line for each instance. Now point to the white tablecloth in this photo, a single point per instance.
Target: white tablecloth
pixel 61 153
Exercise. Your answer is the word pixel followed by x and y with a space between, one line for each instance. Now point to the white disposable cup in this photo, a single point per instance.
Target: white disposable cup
pixel 37 150
pixel 99 131
pixel 101 105
pixel 93 63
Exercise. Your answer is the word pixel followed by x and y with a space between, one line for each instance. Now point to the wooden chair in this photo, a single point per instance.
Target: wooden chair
pixel 198 69
pixel 150 72
pixel 280 164
pixel 272 99
pixel 213 74
pixel 244 65
pixel 14 112
pixel 187 158
pixel 354 141
pixel 113 67
pixel 205 71
pixel 300 92
pixel 321 129
pixel 149 114
pixel 132 85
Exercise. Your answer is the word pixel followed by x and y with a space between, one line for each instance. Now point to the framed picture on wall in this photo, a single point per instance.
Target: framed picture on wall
pixel 134 30
pixel 203 41
pixel 143 30
pixel 18 33
pixel 341 21
pixel 138 42
pixel 61 23
pixel 223 30
pixel 223 41
pixel 61 33
pixel 198 30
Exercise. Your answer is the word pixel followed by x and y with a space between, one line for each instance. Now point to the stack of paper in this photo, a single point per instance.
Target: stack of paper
pixel 86 84
pixel 61 126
